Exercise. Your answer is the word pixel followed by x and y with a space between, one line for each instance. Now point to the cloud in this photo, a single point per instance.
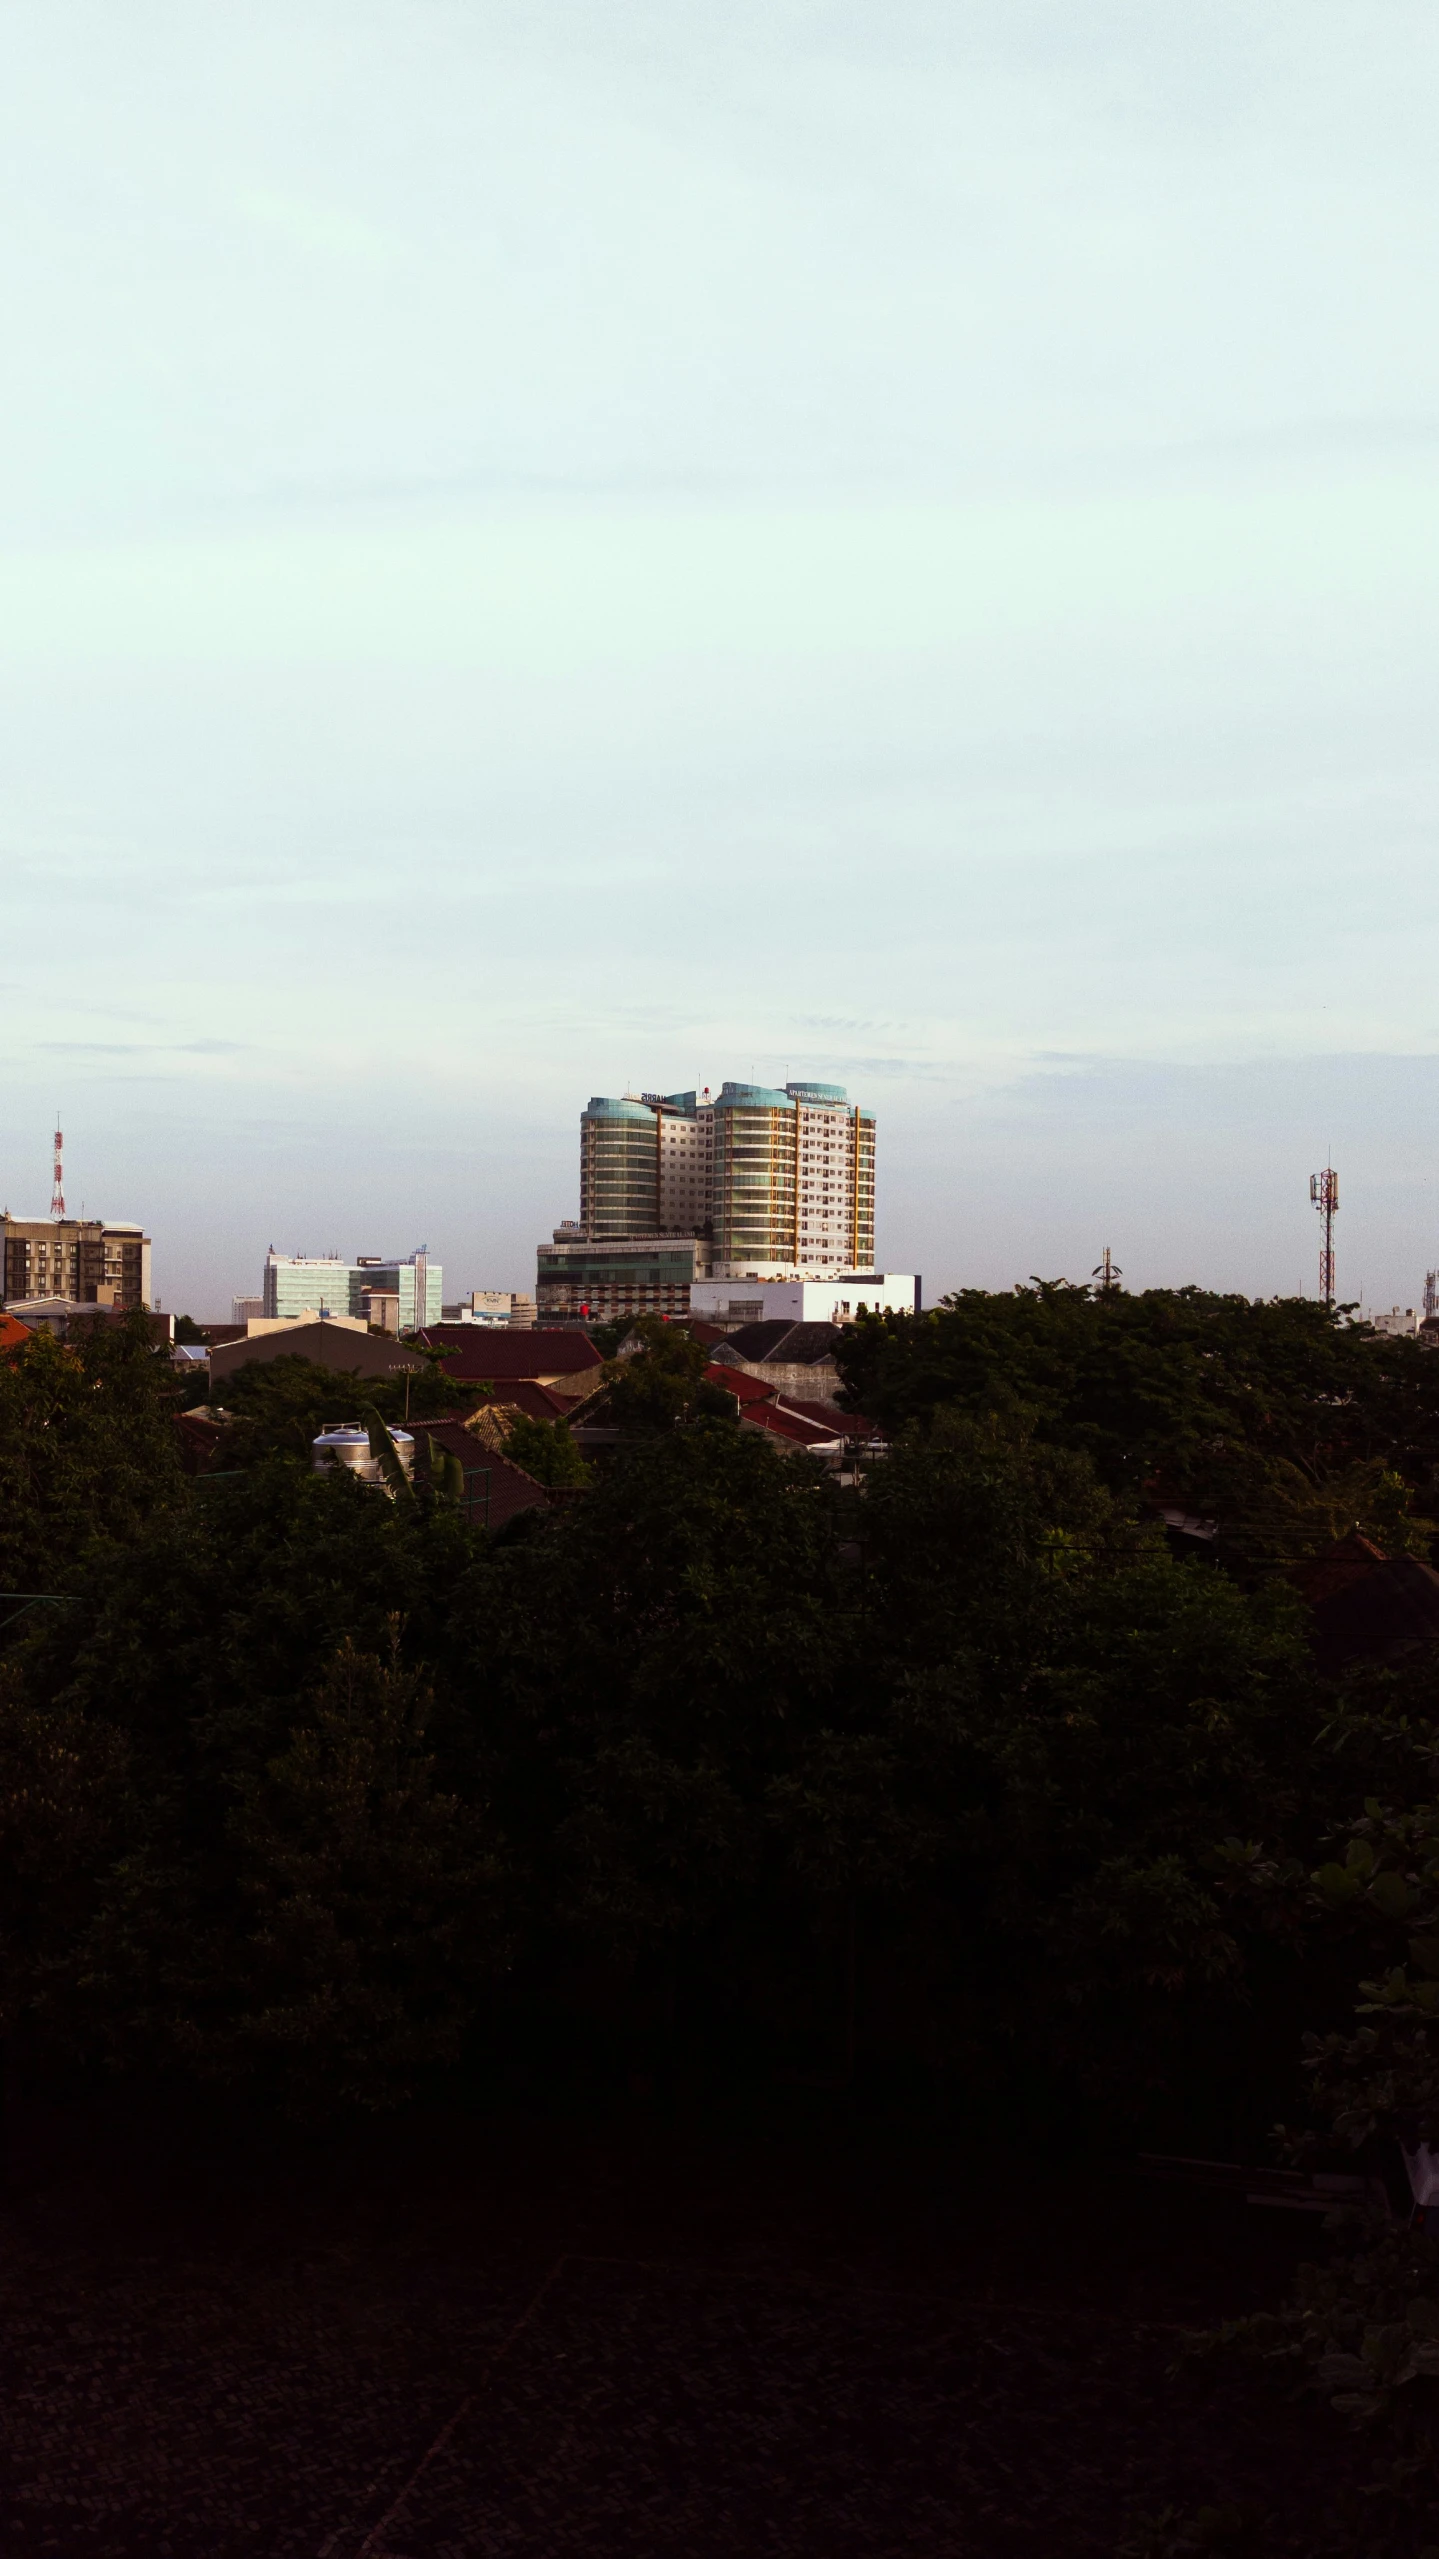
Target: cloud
pixel 142 1048
pixel 323 230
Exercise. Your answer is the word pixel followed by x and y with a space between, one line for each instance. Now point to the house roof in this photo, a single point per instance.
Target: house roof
pixel 199 1437
pixel 13 1332
pixel 781 1342
pixel 328 1345
pixel 492 1420
pixel 784 1424
pixel 831 1417
pixel 483 1355
pixel 1390 1610
pixel 542 1403
pixel 1322 1577
pixel 497 1488
pixel 738 1382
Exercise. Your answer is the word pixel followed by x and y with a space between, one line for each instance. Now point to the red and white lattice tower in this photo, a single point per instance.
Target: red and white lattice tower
pixel 57 1194
pixel 1324 1192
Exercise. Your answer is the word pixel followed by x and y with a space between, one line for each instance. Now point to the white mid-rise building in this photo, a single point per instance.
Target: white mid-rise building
pixel 328 1285
pixel 1400 1320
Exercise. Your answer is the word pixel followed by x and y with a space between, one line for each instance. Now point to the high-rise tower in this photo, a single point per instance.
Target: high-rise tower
pixel 771 1181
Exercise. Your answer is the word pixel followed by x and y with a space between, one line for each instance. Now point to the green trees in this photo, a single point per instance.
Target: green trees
pixel 546 1451
pixel 365 1895
pixel 280 1404
pixel 662 1384
pixel 87 1448
pixel 960 1774
pixel 1274 1416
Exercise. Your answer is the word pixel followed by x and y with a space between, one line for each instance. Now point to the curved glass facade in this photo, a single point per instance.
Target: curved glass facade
pixel 619 1169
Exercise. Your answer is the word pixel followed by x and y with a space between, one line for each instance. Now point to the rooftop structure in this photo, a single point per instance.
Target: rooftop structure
pixel 491 1306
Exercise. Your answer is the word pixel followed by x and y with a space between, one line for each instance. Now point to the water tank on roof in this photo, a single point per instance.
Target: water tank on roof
pixel 347 1444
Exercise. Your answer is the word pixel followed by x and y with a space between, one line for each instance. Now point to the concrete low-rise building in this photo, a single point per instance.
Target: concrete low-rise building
pixel 492 1306
pixel 603 1279
pixel 350 1348
pixel 1401 1323
pixel 835 1299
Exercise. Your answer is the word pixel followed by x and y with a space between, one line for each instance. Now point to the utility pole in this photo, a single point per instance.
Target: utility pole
pixel 1324 1192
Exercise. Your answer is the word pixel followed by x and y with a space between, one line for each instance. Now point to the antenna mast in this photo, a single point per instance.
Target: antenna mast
pixel 1324 1192
pixel 57 1194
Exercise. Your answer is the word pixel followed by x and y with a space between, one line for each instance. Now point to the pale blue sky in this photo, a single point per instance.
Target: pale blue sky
pixel 546 548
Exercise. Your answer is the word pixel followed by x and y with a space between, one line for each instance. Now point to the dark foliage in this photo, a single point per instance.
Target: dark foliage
pixel 960 1777
pixel 545 1450
pixel 280 1404
pixel 1276 1417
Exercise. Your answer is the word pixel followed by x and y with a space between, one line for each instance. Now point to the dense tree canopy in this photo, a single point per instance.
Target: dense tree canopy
pixel 960 1773
pixel 1278 1417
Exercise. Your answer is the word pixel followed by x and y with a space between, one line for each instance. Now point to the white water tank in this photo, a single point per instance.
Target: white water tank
pixel 347 1444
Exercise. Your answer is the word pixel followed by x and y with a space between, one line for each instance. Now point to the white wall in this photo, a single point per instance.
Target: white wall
pixel 805 1301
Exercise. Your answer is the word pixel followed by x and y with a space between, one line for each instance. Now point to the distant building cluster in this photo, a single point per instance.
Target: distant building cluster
pixel 747 1204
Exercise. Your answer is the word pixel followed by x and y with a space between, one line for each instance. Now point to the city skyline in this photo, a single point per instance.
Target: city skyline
pixel 915 570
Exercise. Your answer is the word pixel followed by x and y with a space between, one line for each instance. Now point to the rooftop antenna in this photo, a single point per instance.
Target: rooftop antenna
pixel 57 1194
pixel 1107 1272
pixel 1324 1192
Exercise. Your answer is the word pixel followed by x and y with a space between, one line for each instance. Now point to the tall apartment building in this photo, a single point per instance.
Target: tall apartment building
pixel 644 1166
pixel 92 1261
pixel 390 1293
pixel 750 1182
pixel 792 1182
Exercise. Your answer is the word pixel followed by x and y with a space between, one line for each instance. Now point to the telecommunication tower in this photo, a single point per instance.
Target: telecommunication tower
pixel 1107 1272
pixel 57 1193
pixel 1324 1192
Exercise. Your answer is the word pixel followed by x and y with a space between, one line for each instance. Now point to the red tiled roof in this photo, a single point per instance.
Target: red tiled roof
pixel 199 1438
pixel 498 1489
pixel 787 1425
pixel 747 1390
pixel 848 1425
pixel 487 1352
pixel 13 1333
pixel 541 1403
